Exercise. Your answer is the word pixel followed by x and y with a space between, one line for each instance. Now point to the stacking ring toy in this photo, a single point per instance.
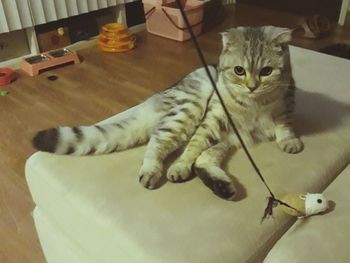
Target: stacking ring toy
pixel 115 37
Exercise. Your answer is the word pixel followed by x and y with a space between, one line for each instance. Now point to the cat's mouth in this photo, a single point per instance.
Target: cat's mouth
pixel 253 91
pixel 258 91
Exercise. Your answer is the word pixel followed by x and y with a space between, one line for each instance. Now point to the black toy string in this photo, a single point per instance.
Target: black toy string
pixel 272 200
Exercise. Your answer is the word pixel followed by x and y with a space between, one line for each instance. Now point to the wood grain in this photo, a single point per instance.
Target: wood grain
pixel 102 85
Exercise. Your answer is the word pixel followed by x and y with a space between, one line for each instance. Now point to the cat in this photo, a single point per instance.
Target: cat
pixel 254 78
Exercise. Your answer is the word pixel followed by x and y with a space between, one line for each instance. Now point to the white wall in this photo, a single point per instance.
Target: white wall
pixel 345 7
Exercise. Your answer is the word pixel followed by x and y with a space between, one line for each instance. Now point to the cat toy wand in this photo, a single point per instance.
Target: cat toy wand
pixel 272 200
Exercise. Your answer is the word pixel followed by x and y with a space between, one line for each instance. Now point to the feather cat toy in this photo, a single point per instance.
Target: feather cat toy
pixel 305 204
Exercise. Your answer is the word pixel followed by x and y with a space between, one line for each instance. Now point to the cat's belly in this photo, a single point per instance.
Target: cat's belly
pixel 255 131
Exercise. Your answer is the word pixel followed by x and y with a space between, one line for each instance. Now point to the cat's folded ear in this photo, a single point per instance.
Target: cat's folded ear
pixel 226 38
pixel 279 35
pixel 229 37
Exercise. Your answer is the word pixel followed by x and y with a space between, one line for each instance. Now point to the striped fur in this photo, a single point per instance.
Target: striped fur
pixel 260 105
pixel 179 108
pixel 189 116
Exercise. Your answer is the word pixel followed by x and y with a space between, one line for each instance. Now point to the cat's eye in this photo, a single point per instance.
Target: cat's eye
pixel 266 71
pixel 319 201
pixel 240 71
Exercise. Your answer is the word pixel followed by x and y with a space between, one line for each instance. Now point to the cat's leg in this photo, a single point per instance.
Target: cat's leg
pixel 173 132
pixel 187 104
pixel 286 138
pixel 206 135
pixel 207 167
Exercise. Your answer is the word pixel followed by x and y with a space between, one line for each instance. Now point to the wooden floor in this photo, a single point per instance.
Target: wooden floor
pixel 102 85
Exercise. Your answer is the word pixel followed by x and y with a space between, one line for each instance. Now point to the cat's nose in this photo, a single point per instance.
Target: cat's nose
pixel 252 88
pixel 252 84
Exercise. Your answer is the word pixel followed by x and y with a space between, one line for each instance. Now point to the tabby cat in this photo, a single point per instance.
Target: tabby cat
pixel 254 78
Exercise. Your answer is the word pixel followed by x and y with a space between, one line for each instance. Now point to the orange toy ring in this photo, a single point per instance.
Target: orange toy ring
pixel 117 48
pixel 115 28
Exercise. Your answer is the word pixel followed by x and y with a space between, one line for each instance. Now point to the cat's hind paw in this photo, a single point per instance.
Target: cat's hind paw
pixel 150 176
pixel 149 181
pixel 221 185
pixel 291 145
pixel 179 172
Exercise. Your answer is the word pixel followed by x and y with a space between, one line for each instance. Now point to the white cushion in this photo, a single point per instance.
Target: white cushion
pixel 57 245
pixel 102 207
pixel 320 239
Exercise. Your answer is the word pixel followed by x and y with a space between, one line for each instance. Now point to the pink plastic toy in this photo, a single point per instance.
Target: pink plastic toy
pixel 33 65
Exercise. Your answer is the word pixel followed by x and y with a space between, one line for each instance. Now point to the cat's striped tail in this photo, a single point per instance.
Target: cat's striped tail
pixel 130 129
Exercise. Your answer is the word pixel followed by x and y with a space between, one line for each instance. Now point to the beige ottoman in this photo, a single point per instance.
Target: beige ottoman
pixel 320 239
pixel 92 209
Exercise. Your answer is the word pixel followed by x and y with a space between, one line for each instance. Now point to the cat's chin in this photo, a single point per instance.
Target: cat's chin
pixel 252 94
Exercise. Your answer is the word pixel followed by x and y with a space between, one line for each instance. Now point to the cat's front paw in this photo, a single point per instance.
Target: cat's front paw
pixel 179 172
pixel 150 175
pixel 291 145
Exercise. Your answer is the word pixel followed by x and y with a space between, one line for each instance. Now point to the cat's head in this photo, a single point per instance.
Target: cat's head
pixel 254 60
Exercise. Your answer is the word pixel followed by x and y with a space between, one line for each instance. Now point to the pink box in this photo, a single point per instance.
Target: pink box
pixel 164 19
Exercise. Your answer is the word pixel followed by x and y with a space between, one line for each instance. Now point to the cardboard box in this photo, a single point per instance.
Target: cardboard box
pixel 13 44
pixel 53 39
